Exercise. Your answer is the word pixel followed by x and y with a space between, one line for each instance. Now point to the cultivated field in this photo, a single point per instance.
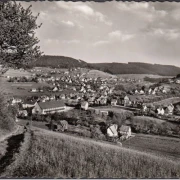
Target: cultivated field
pixel 165 147
pixel 61 156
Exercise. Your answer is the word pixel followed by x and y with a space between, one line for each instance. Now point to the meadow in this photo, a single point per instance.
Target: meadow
pixel 56 155
pixel 165 147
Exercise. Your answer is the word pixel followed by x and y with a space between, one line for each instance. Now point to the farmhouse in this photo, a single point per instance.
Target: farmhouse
pixel 112 130
pixel 125 131
pixel 49 107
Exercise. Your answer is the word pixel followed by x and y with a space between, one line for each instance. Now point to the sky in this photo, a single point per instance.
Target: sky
pixel 110 31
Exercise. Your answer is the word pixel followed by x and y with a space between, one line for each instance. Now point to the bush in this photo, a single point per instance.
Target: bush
pixel 7 115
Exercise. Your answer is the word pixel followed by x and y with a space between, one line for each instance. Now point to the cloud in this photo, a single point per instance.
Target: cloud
pixel 142 9
pixel 100 43
pixel 74 41
pixel 169 34
pixel 68 23
pixel 118 35
pixel 84 9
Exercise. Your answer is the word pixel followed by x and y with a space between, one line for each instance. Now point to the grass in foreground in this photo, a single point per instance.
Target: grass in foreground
pixel 61 156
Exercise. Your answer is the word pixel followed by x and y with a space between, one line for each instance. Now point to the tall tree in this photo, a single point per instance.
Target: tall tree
pixel 18 44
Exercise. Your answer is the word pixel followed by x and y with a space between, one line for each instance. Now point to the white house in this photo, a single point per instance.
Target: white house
pixel 34 90
pixel 141 92
pixel 84 105
pixel 112 130
pixel 55 89
pixel 49 107
pixel 160 111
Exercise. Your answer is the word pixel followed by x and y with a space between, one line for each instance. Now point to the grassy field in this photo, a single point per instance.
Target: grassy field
pixel 57 155
pixel 12 89
pixel 97 73
pixel 17 73
pixel 164 147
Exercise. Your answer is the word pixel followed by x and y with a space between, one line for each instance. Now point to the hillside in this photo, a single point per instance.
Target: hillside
pixel 138 68
pixel 47 154
pixel 112 68
pixel 96 73
pixel 59 62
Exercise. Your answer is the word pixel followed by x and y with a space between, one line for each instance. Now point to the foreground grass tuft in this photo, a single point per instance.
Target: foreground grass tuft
pixel 61 156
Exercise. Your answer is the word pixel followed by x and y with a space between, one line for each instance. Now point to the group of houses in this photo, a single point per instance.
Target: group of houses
pixel 160 110
pixel 123 132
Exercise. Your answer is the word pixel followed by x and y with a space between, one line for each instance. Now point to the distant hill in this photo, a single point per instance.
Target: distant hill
pixel 59 62
pixel 112 68
pixel 138 68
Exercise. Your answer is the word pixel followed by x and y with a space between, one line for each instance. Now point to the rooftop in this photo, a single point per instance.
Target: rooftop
pixel 51 104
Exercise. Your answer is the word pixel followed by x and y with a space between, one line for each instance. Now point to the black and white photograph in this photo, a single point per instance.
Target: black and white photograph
pixel 89 89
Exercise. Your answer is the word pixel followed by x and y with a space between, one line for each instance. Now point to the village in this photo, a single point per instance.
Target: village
pixel 85 94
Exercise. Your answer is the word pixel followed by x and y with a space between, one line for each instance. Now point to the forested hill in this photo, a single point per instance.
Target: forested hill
pixel 59 62
pixel 138 68
pixel 113 68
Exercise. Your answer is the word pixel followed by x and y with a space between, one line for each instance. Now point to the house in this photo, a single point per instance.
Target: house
pixel 23 113
pixel 178 81
pixel 104 112
pixel 62 125
pixel 136 91
pixel 34 90
pixel 48 107
pixel 144 108
pixel 114 102
pixel 160 111
pixel 28 104
pixel 84 105
pixel 170 109
pixel 112 130
pixel 141 92
pixel 126 101
pixel 55 89
pixel 150 91
pixel 125 131
pixel 16 101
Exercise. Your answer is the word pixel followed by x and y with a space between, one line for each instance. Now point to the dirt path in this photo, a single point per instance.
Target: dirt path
pixel 14 143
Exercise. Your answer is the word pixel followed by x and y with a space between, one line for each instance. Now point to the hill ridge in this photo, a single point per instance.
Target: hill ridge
pixel 112 68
